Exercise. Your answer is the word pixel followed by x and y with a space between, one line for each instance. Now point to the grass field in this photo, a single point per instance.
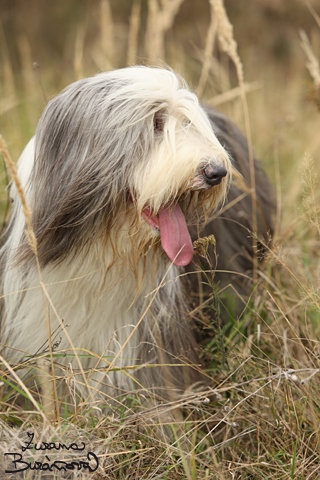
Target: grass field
pixel 261 418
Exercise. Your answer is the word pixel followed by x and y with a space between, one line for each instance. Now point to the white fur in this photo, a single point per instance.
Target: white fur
pixel 100 304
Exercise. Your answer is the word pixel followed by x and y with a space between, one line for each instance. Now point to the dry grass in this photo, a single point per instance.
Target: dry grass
pixel 260 418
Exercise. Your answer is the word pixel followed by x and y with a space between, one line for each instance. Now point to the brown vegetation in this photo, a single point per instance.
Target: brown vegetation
pixel 261 417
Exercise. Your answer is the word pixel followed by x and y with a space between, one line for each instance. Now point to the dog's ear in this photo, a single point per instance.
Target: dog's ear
pixel 70 173
pixel 89 143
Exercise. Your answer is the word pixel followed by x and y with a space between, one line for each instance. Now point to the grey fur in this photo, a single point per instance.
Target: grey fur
pixel 233 228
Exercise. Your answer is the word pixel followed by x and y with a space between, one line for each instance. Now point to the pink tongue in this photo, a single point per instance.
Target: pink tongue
pixel 175 237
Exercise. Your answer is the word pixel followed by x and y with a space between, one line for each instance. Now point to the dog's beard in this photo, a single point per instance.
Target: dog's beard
pixel 171 223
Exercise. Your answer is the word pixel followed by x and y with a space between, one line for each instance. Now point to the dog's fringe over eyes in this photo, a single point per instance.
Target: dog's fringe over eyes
pixel 120 164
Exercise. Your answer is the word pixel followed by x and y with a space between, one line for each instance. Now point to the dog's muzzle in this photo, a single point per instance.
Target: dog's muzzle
pixel 170 220
pixel 213 174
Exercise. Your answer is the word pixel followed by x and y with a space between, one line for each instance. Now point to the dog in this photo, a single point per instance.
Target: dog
pixel 120 165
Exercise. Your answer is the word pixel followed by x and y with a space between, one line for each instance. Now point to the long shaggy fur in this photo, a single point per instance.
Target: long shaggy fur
pixel 111 154
pixel 233 253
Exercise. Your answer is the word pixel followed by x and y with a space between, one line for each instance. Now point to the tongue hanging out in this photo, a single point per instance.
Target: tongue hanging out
pixel 175 238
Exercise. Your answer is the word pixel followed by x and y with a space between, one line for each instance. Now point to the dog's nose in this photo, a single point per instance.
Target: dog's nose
pixel 214 174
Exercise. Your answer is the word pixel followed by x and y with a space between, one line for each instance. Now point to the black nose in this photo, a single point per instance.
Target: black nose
pixel 214 174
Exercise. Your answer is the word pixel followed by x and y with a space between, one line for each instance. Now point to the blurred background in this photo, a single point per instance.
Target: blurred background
pixel 45 45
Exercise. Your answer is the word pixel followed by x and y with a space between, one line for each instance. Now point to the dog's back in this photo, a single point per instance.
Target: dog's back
pixel 232 255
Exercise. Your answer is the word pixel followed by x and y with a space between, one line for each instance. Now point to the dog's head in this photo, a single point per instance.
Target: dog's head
pixel 124 157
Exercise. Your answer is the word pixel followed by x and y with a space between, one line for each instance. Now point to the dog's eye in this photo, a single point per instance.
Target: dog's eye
pixel 158 123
